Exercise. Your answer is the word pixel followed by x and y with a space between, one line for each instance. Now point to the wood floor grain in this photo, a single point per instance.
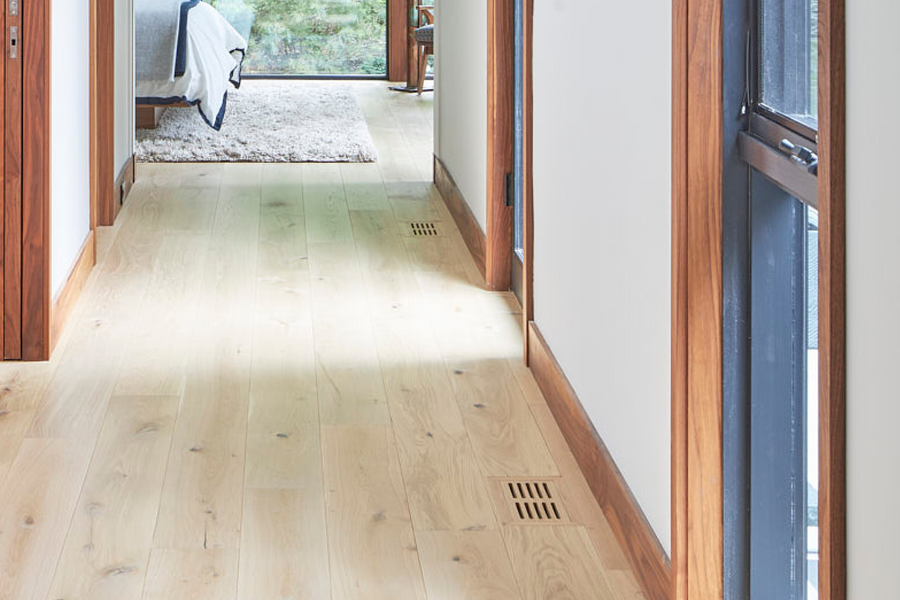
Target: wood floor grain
pixel 109 540
pixel 272 388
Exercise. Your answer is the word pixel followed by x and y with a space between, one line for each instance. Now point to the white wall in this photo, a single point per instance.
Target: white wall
pixel 602 214
pixel 70 126
pixel 461 98
pixel 873 298
pixel 124 83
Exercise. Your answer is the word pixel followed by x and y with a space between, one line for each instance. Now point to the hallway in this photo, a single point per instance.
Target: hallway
pixel 275 387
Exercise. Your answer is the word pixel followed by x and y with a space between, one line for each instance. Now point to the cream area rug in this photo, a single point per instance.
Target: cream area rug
pixel 266 121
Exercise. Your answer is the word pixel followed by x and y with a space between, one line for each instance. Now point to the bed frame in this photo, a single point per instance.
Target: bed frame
pixel 147 116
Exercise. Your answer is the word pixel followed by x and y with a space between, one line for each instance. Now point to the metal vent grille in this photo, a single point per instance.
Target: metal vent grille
pixel 423 229
pixel 534 502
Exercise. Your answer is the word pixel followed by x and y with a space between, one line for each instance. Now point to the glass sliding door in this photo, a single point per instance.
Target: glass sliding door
pixel 311 37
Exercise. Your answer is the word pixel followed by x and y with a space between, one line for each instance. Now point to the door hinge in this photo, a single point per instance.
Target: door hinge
pixel 13 8
pixel 510 190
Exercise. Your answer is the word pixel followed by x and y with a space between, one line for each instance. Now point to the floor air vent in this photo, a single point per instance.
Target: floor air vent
pixel 422 229
pixel 534 502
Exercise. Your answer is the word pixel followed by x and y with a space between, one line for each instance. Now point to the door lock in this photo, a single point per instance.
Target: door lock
pixel 14 42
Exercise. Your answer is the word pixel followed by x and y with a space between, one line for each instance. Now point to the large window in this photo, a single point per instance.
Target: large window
pixel 311 37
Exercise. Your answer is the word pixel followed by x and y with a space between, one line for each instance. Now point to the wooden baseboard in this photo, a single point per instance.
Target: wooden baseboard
pixel 645 554
pixel 65 300
pixel 124 183
pixel 468 225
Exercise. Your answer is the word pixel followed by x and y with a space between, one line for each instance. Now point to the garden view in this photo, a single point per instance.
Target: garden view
pixel 311 37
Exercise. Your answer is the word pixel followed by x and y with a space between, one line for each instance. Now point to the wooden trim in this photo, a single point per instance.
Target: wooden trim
pixel 65 300
pixel 398 39
pixel 499 143
pixel 528 169
pixel 104 198
pixel 832 303
pixel 11 213
pixel 36 183
pixel 645 554
pixel 679 308
pixel 697 494
pixel 462 214
pixel 124 182
pixel 3 306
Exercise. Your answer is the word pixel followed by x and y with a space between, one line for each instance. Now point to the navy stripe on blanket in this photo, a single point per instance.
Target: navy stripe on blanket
pixel 217 124
pixel 181 44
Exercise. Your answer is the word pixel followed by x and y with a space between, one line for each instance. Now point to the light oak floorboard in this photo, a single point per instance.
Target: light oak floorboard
pixel 21 386
pixel 556 563
pixel 150 367
pixel 468 564
pixel 201 501
pixel 192 575
pixel 371 546
pixel 503 431
pixel 284 549
pixel 283 446
pixel 108 543
pixel 446 488
pixel 350 386
pixel 38 500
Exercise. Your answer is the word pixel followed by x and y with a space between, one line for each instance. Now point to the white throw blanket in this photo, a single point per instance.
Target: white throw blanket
pixel 212 55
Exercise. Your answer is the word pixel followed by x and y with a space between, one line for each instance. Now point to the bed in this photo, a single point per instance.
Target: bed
pixel 187 54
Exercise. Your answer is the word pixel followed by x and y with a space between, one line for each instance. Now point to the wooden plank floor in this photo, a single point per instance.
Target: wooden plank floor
pixel 272 390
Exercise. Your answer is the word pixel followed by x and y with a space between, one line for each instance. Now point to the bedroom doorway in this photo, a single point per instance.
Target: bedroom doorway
pixel 272 81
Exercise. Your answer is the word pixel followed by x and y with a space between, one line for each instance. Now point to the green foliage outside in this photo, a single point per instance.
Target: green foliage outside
pixel 311 37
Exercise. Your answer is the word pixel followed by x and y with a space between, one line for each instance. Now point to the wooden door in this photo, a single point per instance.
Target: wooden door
pixel 25 180
pixel 12 180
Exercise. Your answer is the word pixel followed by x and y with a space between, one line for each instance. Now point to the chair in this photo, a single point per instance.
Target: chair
pixel 424 37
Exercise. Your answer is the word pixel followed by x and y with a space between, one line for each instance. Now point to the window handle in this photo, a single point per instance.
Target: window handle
pixel 800 154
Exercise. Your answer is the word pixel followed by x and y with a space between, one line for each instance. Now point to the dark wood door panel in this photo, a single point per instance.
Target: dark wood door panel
pixel 12 184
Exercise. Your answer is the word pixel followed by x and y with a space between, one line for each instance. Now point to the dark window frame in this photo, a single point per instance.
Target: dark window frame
pixel 789 125
pixel 765 555
pixel 761 144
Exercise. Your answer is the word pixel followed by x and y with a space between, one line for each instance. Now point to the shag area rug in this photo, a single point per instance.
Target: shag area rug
pixel 266 121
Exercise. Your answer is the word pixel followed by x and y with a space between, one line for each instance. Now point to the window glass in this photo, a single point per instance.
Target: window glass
pixel 812 406
pixel 788 58
pixel 311 37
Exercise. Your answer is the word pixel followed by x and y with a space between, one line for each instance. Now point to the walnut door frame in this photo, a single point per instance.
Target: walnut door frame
pixel 26 208
pixel 500 149
pixel 500 119
pixel 105 202
pixel 34 283
pixel 697 301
